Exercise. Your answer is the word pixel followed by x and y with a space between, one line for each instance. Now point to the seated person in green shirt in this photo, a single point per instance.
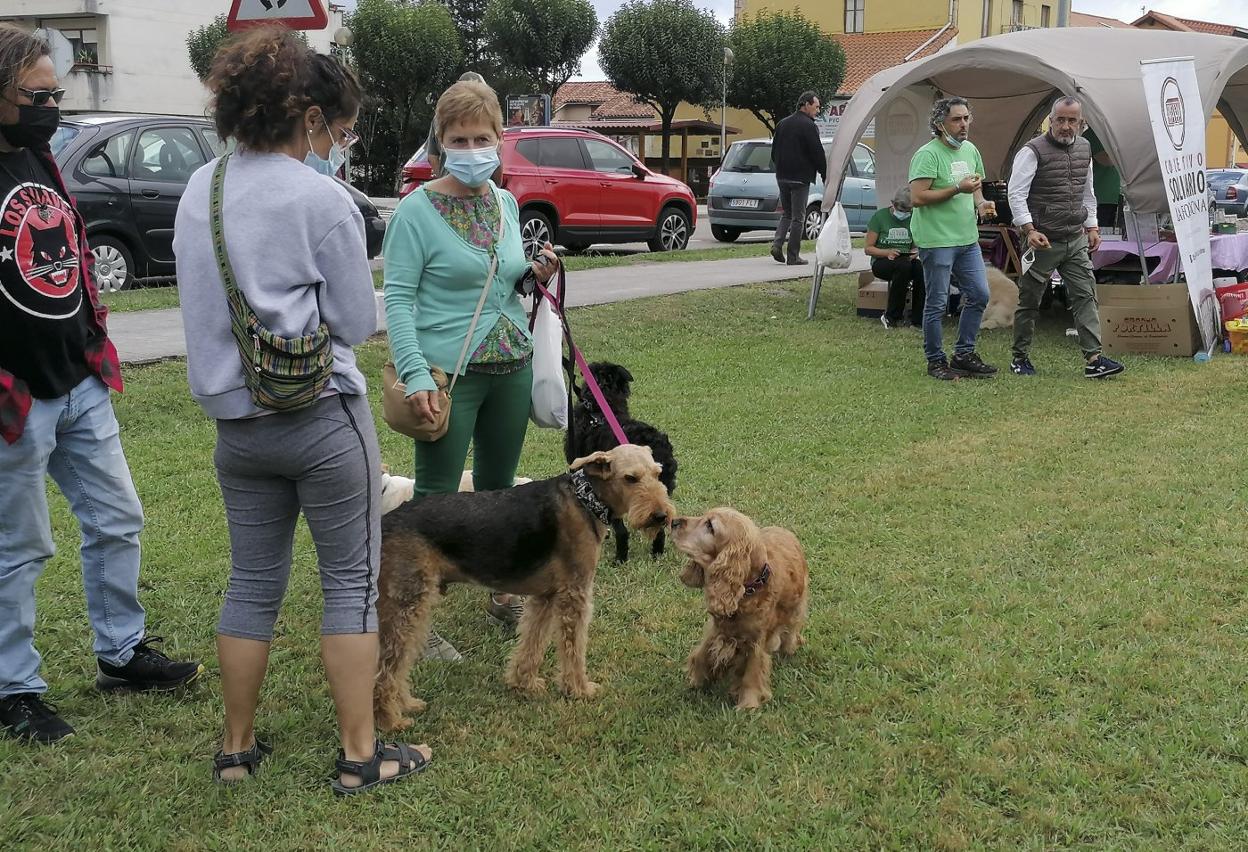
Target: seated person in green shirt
pixel 894 259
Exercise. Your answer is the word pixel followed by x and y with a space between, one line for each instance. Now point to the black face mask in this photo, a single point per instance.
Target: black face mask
pixel 35 126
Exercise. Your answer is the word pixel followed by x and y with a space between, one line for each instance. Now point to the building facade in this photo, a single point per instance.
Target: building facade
pixel 973 19
pixel 130 55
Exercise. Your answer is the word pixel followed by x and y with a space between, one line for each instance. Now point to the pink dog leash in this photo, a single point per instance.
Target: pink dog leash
pixel 590 381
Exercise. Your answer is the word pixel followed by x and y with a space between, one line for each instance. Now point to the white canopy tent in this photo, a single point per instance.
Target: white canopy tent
pixel 1011 81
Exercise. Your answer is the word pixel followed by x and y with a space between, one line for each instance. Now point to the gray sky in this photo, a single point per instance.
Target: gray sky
pixel 1219 11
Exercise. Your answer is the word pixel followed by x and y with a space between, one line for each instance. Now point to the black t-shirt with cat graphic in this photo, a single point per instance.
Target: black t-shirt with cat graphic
pixel 45 312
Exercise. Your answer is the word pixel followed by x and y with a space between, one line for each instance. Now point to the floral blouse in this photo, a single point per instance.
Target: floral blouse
pixel 475 218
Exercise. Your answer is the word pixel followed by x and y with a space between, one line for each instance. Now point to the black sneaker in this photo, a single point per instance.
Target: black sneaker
pixel 28 717
pixel 797 261
pixel 148 670
pixel 1022 367
pixel 887 323
pixel 777 255
pixel 939 369
pixel 1102 368
pixel 971 365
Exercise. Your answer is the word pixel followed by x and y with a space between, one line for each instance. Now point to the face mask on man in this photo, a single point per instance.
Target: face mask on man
pixel 35 126
pixel 903 215
pixel 954 141
pixel 337 156
pixel 471 166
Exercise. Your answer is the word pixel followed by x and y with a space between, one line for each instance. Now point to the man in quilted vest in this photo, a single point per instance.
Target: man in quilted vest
pixel 1053 203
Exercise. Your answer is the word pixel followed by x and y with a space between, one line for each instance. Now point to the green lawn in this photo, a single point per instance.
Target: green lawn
pixel 1028 622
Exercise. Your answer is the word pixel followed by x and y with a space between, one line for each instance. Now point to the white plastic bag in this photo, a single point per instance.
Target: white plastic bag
pixel 833 248
pixel 549 407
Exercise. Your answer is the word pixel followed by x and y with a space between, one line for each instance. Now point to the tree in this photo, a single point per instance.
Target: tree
pixel 663 52
pixel 776 57
pixel 543 38
pixel 203 43
pixel 479 52
pixel 405 53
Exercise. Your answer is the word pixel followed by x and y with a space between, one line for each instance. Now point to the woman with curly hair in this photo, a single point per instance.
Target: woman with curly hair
pixel 294 248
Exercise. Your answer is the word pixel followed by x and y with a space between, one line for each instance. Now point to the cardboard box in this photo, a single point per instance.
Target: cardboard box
pixel 873 299
pixel 1148 319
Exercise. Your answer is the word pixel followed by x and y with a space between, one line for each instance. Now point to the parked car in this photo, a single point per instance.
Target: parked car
pixel 127 174
pixel 744 195
pixel 1229 188
pixel 577 187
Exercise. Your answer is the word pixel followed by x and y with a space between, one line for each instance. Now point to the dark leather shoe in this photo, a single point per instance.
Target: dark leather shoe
pixel 798 261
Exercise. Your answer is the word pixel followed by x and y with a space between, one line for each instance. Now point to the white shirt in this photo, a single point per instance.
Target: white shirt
pixel 1021 176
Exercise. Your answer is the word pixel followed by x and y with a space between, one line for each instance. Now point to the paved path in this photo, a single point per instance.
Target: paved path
pixel 143 336
pixel 701 238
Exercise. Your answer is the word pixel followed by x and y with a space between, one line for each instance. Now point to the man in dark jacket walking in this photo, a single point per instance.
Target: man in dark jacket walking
pixel 798 156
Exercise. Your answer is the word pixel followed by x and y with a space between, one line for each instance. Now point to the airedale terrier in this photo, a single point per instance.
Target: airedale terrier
pixel 542 540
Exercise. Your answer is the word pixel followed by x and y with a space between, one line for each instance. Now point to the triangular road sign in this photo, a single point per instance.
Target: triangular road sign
pixel 296 14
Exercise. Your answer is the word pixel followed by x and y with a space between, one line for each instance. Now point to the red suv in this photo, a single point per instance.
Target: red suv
pixel 577 187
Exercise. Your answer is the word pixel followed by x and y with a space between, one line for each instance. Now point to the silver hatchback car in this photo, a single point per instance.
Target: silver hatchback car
pixel 744 195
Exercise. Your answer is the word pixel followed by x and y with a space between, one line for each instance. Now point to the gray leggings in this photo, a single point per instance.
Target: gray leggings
pixel 325 461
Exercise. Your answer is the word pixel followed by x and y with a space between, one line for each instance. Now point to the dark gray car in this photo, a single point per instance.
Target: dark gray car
pixel 127 174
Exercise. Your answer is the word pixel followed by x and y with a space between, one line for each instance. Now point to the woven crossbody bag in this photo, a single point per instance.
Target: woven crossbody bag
pixel 282 373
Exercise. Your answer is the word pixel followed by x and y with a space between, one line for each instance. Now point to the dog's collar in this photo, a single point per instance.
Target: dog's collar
pixel 588 498
pixel 759 581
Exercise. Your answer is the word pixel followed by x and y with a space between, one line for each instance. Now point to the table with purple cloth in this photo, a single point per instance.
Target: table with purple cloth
pixel 1227 251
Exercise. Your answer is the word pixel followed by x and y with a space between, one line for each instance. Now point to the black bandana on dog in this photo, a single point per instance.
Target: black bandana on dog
pixel 588 498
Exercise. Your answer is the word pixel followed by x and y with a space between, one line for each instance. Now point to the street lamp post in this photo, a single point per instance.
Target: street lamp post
pixel 723 107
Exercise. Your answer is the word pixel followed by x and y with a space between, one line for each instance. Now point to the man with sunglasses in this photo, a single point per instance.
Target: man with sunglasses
pixel 1054 205
pixel 56 418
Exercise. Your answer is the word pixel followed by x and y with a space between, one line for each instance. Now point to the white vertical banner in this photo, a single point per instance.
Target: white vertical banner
pixel 1178 120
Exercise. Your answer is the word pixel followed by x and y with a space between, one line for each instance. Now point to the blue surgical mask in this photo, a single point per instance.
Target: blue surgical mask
pixel 903 215
pixel 471 166
pixel 317 163
pixel 957 143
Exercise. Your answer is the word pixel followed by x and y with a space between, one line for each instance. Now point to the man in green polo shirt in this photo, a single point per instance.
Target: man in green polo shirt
pixel 945 183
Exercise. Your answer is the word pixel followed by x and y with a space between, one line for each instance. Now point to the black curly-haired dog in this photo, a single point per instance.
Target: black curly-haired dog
pixel 591 433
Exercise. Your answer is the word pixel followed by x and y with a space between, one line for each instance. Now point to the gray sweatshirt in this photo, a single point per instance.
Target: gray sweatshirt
pixel 295 239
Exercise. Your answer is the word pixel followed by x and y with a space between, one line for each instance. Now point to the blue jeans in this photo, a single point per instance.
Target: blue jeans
pixel 967 263
pixel 75 439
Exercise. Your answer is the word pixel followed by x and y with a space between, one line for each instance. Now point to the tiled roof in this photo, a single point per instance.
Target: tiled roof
pixel 591 93
pixel 1083 19
pixel 869 53
pixel 1188 24
pixel 608 103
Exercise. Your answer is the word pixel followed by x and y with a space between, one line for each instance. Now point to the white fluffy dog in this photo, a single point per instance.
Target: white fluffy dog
pixel 397 490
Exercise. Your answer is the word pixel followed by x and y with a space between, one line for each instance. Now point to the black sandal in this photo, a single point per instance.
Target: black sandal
pixel 252 758
pixel 410 762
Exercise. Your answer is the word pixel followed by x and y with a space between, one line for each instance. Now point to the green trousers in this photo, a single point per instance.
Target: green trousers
pixel 489 411
pixel 1074 263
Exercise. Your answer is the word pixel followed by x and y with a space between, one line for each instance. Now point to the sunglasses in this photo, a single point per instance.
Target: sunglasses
pixel 40 97
pixel 348 137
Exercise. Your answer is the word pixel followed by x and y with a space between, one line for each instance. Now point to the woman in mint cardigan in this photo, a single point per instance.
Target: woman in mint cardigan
pixel 438 250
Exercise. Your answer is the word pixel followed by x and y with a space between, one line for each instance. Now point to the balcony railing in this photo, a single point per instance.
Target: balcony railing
pixel 1018 28
pixel 91 68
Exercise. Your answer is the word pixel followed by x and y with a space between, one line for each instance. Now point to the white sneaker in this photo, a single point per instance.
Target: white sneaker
pixel 437 648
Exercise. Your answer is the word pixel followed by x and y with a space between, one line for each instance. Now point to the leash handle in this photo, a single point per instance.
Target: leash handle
pixel 586 374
